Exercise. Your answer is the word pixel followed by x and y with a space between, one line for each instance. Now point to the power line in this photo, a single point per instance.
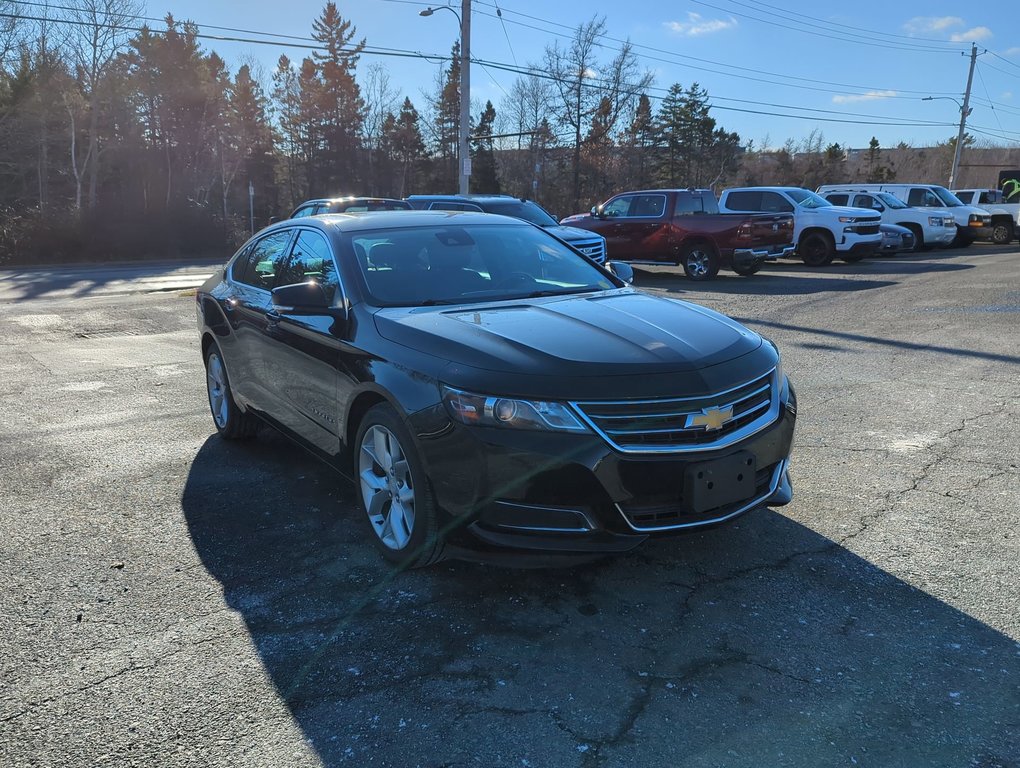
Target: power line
pixel 843 38
pixel 983 85
pixel 753 74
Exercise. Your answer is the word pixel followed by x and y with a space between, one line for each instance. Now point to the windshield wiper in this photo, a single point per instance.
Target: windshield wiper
pixel 539 294
pixel 437 302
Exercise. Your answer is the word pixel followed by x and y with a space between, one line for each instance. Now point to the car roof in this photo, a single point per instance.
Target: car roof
pixel 471 198
pixel 369 220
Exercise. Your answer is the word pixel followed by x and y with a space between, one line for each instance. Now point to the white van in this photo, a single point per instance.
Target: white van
pixel 930 229
pixel 1005 216
pixel 971 223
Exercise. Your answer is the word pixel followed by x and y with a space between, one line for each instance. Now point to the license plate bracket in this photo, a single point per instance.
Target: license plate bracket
pixel 719 482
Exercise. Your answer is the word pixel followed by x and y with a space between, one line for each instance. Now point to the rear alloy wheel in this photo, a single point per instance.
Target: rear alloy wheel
pixel 1002 234
pixel 231 422
pixel 747 269
pixel 700 262
pixel 395 494
pixel 816 249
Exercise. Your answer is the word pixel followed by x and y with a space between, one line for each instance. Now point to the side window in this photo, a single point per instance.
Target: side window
pixel 309 259
pixel 865 201
pixel 304 210
pixel 988 197
pixel 650 206
pixel 241 264
pixel 747 200
pixel 321 208
pixel 773 202
pixel 924 198
pixel 688 203
pixel 259 266
pixel 838 199
pixel 618 206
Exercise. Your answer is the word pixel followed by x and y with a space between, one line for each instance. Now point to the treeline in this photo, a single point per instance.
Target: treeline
pixel 118 140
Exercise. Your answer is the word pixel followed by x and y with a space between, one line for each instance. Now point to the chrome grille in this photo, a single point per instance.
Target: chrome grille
pixel 671 425
pixel 593 249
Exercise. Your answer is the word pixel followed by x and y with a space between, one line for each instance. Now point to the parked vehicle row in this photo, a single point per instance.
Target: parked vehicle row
pixel 930 230
pixel 685 227
pixel 1005 215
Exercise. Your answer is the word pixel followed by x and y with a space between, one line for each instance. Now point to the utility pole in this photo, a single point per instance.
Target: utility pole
pixel 964 112
pixel 465 94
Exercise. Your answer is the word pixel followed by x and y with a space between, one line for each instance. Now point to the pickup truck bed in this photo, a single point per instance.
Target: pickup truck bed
pixel 684 226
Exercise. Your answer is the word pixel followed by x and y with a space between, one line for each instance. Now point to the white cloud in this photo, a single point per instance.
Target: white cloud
pixel 926 25
pixel 971 35
pixel 1006 95
pixel 696 25
pixel 1011 51
pixel 853 98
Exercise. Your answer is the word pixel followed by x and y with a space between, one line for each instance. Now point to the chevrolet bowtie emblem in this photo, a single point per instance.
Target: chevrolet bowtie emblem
pixel 710 418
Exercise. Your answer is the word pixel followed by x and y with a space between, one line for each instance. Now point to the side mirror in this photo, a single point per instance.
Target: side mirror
pixel 622 270
pixel 596 212
pixel 302 298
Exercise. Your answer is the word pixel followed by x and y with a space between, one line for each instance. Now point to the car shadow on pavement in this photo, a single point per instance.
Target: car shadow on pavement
pixel 757 643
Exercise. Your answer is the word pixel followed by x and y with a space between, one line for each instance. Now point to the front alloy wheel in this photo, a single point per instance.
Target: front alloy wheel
pixel 395 493
pixel 387 489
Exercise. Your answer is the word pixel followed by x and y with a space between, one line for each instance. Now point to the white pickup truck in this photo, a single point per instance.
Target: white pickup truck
pixel 930 229
pixel 1005 216
pixel 821 230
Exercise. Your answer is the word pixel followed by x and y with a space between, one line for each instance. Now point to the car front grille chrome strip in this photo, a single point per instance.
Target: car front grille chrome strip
pixel 679 425
pixel 757 501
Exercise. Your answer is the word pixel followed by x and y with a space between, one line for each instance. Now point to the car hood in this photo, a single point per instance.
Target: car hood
pixel 846 210
pixel 544 343
pixel 570 234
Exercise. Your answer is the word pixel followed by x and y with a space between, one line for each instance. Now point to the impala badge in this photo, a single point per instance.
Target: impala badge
pixel 711 419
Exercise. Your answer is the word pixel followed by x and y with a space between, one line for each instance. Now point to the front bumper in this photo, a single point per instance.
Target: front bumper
pixel 860 248
pixel 750 257
pixel 567 493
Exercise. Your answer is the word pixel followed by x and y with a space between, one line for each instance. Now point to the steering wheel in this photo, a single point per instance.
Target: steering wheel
pixel 516 279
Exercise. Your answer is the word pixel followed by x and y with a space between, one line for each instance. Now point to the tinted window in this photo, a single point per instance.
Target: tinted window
pixel 258 268
pixel 838 199
pixel 863 201
pixel 773 202
pixel 309 259
pixel 923 197
pixel 450 206
pixel 989 197
pixel 468 264
pixel 528 211
pixel 687 203
pixel 648 205
pixel 747 200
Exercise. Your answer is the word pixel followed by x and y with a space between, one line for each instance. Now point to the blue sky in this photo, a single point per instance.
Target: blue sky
pixel 866 61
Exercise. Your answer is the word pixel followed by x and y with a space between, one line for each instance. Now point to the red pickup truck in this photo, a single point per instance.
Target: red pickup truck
pixel 684 226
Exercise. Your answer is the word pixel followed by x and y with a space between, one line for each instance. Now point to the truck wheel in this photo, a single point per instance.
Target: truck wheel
pixel 816 249
pixel 747 270
pixel 918 237
pixel 700 262
pixel 1002 234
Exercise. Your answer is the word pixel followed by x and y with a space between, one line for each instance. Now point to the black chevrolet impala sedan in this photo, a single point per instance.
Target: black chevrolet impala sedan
pixel 488 388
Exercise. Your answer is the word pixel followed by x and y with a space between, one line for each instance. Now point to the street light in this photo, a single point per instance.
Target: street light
pixel 964 114
pixel 464 19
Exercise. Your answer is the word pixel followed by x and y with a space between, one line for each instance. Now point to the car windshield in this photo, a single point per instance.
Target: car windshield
pixel 947 197
pixel 528 211
pixel 469 263
pixel 890 201
pixel 806 199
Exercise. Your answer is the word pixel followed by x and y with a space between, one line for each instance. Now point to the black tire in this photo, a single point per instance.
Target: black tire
pixel 411 544
pixel 231 422
pixel 700 262
pixel 919 244
pixel 816 249
pixel 747 270
pixel 1002 233
pixel 961 242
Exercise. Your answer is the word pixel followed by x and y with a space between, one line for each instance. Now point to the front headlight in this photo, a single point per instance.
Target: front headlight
pixel 489 411
pixel 847 219
pixel 935 221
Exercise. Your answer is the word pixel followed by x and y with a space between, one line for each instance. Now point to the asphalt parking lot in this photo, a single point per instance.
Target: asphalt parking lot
pixel 168 599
